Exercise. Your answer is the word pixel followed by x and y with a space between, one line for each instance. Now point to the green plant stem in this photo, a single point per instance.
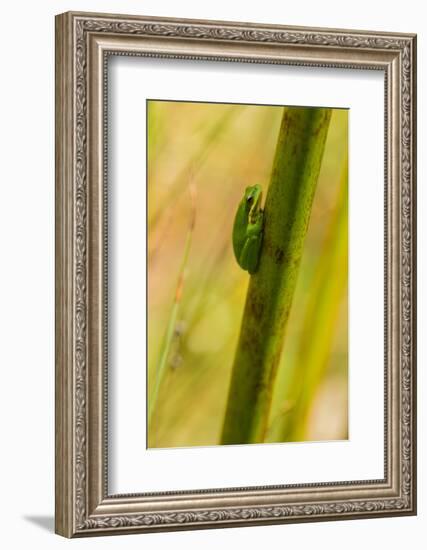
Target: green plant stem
pixel 296 168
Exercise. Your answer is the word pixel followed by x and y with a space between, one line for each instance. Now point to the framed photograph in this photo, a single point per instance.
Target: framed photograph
pixel 235 274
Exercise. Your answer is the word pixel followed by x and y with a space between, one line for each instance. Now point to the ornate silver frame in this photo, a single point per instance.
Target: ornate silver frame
pixel 83 42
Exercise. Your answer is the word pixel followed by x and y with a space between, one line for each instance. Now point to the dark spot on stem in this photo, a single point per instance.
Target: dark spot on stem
pixel 294 149
pixel 256 307
pixel 260 386
pixel 279 254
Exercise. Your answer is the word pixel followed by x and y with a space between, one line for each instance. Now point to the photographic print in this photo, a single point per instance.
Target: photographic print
pixel 247 259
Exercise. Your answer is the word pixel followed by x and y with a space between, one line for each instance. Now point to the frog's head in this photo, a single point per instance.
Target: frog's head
pixel 253 196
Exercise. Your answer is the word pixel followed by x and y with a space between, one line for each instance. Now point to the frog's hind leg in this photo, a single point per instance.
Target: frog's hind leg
pixel 250 254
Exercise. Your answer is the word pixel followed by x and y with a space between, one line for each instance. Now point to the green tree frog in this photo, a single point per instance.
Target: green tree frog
pixel 248 229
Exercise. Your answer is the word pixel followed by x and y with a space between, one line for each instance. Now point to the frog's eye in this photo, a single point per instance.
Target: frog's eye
pixel 249 199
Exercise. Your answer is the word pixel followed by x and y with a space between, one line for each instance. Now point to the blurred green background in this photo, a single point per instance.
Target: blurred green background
pixel 219 149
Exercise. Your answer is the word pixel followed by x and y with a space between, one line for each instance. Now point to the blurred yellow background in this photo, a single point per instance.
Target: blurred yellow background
pixel 220 149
